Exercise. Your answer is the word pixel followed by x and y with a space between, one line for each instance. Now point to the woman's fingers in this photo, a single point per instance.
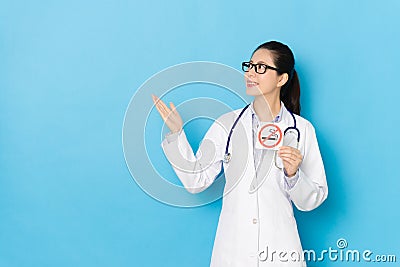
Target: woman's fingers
pixel 287 151
pixel 170 115
pixel 161 107
pixel 175 111
pixel 291 158
pixel 290 155
pixel 284 149
pixel 172 106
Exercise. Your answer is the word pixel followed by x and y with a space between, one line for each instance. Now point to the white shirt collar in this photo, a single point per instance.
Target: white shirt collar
pixel 277 118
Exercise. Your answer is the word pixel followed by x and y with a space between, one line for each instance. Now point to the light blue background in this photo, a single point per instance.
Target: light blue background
pixel 69 68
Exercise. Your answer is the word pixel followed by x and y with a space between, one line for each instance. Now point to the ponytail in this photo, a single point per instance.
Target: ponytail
pixel 290 93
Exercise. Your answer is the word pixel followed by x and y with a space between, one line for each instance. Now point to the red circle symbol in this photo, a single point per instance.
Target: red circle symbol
pixel 272 132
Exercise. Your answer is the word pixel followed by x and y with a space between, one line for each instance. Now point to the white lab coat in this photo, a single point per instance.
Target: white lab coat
pixel 252 226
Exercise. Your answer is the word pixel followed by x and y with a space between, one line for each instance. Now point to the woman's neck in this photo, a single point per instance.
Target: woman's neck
pixel 264 105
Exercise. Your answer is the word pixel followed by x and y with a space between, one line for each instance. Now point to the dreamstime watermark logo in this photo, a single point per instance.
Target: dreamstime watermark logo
pixel 142 137
pixel 338 253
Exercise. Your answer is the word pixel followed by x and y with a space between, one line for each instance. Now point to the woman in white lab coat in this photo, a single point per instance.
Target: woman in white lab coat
pixel 256 225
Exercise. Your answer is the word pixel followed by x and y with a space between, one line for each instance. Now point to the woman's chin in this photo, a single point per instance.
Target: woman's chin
pixel 252 91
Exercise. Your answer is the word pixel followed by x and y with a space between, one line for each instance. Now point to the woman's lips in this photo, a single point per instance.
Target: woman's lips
pixel 251 84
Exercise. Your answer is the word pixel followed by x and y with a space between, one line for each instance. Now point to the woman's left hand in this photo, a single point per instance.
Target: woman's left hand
pixel 291 158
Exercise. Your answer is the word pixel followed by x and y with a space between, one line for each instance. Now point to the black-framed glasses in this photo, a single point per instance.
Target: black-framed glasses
pixel 259 67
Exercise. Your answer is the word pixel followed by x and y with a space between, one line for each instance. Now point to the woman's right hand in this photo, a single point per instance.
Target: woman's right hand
pixel 170 116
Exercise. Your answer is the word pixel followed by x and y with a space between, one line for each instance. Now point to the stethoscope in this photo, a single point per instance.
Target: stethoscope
pixel 228 156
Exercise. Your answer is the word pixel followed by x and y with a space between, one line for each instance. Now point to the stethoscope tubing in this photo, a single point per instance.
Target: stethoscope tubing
pixel 227 155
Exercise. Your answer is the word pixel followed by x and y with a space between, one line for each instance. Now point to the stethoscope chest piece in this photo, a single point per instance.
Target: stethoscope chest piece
pixel 227 157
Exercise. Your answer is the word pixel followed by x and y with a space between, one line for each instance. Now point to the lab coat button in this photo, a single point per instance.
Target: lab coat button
pixel 254 221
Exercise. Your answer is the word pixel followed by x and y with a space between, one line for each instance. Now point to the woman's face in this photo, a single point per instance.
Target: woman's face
pixel 262 84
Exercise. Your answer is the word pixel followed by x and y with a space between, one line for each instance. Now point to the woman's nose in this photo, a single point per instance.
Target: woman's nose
pixel 251 72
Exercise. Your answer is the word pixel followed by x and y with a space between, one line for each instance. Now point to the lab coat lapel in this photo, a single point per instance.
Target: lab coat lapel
pixel 248 125
pixel 241 166
pixel 266 161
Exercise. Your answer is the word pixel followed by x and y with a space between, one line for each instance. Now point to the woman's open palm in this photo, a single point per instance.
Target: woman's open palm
pixel 170 116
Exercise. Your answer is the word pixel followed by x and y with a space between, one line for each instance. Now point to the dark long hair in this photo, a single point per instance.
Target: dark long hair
pixel 284 61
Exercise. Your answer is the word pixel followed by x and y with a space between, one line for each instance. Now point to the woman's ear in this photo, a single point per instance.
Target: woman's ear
pixel 283 79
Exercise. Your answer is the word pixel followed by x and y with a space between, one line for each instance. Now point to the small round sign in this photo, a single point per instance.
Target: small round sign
pixel 270 136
